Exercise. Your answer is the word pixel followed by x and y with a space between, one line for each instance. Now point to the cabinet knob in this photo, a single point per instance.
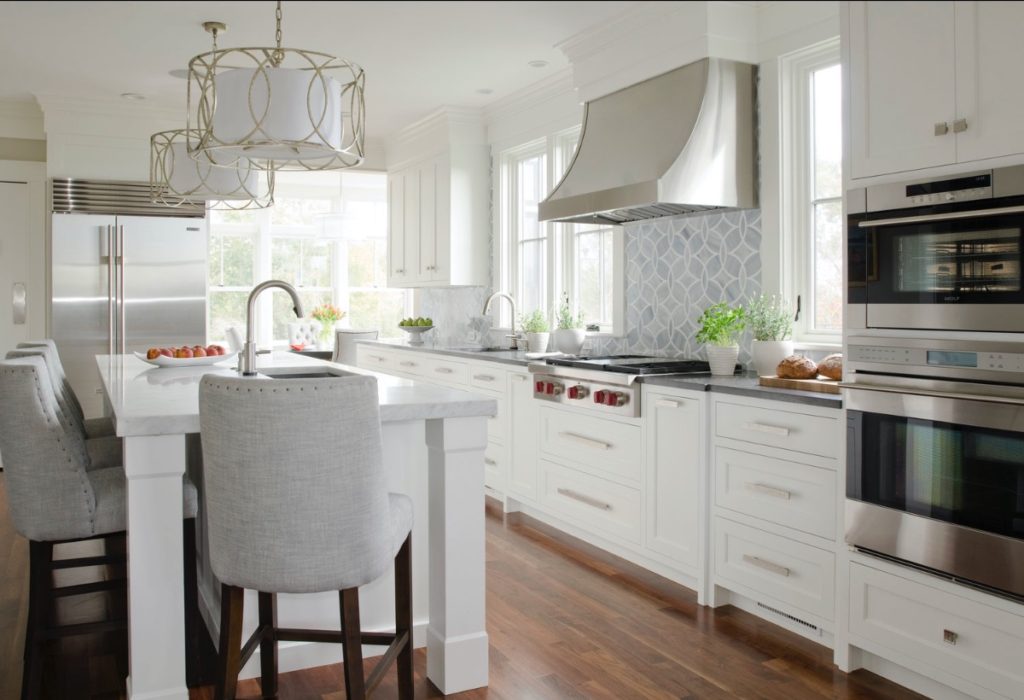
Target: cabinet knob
pixel 959 125
pixel 950 637
pixel 400 272
pixel 941 128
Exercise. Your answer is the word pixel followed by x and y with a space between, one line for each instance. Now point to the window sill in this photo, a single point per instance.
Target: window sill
pixel 811 345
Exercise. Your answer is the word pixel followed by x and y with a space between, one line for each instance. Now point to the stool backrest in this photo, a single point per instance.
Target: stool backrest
pixel 49 493
pixel 305 331
pixel 345 344
pixel 69 409
pixel 295 492
pixel 64 385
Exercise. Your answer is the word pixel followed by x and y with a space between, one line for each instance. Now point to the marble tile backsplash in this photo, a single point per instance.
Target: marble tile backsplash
pixel 675 268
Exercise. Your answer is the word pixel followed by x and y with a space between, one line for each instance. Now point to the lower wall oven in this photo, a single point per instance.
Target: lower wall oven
pixel 935 465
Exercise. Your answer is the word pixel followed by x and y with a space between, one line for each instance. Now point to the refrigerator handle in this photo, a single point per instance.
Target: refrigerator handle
pixel 111 295
pixel 120 288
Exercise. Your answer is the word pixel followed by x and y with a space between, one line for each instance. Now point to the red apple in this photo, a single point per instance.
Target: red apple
pixel 183 353
pixel 199 351
pixel 152 353
pixel 214 350
pixel 166 352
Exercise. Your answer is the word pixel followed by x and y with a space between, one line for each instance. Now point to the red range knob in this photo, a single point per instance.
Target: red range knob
pixel 599 396
pixel 550 389
pixel 610 398
pixel 539 387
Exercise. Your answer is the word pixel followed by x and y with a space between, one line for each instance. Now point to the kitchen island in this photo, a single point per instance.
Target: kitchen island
pixel 434 440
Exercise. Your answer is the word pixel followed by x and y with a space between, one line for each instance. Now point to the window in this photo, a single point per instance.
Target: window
pixel 812 189
pixel 537 261
pixel 327 235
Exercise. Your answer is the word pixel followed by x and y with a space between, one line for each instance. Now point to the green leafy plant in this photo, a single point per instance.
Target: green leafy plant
pixel 769 317
pixel 534 322
pixel 720 324
pixel 564 318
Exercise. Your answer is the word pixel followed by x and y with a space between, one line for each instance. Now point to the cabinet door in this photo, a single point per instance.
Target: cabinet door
pixel 442 243
pixel 427 220
pixel 398 268
pixel 902 84
pixel 673 476
pixel 411 216
pixel 524 414
pixel 989 54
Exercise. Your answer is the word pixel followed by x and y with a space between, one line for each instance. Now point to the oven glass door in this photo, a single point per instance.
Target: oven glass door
pixel 962 474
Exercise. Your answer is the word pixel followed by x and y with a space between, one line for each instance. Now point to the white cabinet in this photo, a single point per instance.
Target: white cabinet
pixel 673 460
pixel 439 205
pixel 524 417
pixel 929 84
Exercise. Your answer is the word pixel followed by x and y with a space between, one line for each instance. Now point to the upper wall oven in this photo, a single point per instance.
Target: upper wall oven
pixel 938 254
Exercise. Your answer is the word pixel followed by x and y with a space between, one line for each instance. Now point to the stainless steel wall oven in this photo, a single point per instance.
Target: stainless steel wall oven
pixel 938 254
pixel 935 456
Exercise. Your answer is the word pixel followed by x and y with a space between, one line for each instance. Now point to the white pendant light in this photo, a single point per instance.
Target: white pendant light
pixel 280 108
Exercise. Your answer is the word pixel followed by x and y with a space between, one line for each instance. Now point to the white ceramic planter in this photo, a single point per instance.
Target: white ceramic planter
pixel 570 340
pixel 537 342
pixel 767 355
pixel 722 359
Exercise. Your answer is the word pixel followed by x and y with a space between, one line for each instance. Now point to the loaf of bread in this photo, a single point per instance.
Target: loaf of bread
pixel 797 367
pixel 831 367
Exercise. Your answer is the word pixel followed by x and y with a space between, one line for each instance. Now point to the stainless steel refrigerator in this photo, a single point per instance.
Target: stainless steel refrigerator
pixel 121 284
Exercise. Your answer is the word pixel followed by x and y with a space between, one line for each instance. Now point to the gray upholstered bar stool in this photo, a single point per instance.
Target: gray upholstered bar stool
pixel 54 499
pixel 296 501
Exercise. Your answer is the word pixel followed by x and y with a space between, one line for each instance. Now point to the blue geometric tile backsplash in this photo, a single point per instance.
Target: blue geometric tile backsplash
pixel 675 268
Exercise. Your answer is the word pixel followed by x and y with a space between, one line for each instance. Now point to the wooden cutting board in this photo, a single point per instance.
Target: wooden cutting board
pixel 823 386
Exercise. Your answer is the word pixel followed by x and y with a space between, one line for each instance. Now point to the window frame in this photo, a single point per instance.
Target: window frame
pixel 796 192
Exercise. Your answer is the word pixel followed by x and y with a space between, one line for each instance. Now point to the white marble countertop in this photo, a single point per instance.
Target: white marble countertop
pixel 148 400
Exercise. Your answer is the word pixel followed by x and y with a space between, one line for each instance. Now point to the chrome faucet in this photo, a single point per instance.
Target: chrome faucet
pixel 514 339
pixel 247 358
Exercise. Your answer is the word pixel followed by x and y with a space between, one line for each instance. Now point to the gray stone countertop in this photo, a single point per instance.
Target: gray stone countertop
pixel 740 385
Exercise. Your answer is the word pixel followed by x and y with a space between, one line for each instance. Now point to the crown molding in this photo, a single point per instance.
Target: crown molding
pixel 21 119
pixel 534 95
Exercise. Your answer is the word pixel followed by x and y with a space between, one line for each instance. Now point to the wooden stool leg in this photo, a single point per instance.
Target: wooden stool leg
pixel 355 686
pixel 403 617
pixel 231 598
pixel 40 583
pixel 268 645
pixel 193 621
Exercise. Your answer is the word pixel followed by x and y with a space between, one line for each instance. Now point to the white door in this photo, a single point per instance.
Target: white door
pixel 17 305
pixel 990 53
pixel 902 86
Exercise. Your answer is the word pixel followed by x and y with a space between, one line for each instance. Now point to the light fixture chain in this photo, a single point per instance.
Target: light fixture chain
pixel 278 55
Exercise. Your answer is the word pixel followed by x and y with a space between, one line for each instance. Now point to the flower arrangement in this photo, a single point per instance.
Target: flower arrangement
pixel 327 315
pixel 564 319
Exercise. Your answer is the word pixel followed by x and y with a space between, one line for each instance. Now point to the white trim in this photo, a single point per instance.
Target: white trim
pixel 794 153
pixel 37 277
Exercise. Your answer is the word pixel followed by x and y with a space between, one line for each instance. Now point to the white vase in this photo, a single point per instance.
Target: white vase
pixel 537 342
pixel 570 340
pixel 768 354
pixel 722 359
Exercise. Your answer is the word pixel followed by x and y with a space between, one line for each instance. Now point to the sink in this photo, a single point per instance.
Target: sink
pixel 482 349
pixel 303 373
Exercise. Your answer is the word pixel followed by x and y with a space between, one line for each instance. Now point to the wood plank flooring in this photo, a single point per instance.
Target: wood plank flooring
pixel 564 623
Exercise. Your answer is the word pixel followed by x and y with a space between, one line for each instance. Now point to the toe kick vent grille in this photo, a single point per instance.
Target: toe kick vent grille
pixel 786 615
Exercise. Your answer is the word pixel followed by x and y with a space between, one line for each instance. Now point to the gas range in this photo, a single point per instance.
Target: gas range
pixel 606 384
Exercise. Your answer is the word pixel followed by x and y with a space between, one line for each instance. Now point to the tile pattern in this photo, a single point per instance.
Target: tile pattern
pixel 455 312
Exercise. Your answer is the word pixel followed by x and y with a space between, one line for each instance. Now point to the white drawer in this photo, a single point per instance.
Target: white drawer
pixel 497 425
pixel 375 359
pixel 786 493
pixel 760 563
pixel 445 371
pixel 495 466
pixel 488 377
pixel 599 445
pixel 968 639
pixel 591 501
pixel 410 363
pixel 790 430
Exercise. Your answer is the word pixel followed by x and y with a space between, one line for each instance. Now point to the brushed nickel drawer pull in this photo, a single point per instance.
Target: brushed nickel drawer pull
pixel 769 429
pixel 518 378
pixel 443 370
pixel 583 498
pixel 484 377
pixel 407 363
pixel 941 128
pixel 584 440
pixel 378 358
pixel 766 565
pixel 490 462
pixel 768 490
pixel 950 637
pixel 959 126
pixel 18 303
pixel 666 403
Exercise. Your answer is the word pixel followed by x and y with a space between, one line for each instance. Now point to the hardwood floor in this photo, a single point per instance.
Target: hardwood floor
pixel 563 623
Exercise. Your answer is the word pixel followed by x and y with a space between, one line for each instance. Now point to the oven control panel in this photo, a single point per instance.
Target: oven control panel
pixel 587 394
pixel 952 360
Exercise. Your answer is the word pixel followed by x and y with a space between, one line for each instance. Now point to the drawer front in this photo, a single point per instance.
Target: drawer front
pixel 369 357
pixel 495 466
pixel 979 643
pixel 591 501
pixel 437 369
pixel 790 572
pixel 599 445
pixel 410 363
pixel 801 432
pixel 786 493
pixel 488 377
pixel 497 425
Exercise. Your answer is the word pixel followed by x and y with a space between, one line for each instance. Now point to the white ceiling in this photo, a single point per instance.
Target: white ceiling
pixel 418 56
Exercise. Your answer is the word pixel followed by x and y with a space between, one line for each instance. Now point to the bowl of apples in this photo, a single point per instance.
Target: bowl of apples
pixel 184 356
pixel 416 327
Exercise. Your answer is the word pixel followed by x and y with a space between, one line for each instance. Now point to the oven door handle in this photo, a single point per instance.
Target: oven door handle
pixel 960 396
pixel 949 216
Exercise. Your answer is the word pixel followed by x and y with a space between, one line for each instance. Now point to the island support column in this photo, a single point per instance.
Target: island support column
pixel 456 635
pixel 154 466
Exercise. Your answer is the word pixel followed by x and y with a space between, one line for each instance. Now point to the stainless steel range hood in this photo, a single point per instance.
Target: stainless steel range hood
pixel 681 142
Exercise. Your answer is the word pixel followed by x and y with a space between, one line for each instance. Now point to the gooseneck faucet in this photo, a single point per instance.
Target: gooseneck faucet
pixel 487 305
pixel 247 358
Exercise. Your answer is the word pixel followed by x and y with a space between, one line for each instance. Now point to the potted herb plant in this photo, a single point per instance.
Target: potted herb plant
pixel 535 325
pixel 569 333
pixel 771 322
pixel 720 325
